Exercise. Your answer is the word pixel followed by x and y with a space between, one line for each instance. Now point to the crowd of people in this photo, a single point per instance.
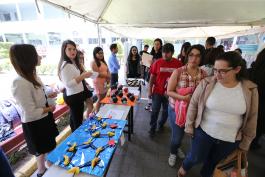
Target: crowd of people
pixel 205 92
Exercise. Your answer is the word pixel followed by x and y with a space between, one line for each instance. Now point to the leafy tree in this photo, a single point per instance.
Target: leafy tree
pixel 4 49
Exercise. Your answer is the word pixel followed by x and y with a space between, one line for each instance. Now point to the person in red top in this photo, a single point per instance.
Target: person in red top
pixel 160 72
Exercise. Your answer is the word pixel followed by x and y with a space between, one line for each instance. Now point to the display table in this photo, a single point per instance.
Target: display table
pixel 57 171
pixel 127 114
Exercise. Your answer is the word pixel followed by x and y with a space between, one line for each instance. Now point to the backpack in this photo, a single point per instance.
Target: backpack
pixel 9 111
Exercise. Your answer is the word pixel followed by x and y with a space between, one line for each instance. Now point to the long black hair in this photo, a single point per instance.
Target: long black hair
pixel 234 60
pixel 65 58
pixel 210 57
pixel 257 71
pixel 185 46
pixel 159 54
pixel 97 61
pixel 24 59
pixel 130 56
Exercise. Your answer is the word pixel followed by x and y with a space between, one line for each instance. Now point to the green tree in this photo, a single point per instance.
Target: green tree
pixel 148 42
pixel 4 49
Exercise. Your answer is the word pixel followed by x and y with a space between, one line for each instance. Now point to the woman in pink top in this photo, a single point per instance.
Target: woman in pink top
pixel 184 78
pixel 100 83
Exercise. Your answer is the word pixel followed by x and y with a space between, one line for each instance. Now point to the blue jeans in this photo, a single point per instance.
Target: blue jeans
pixel 208 150
pixel 157 101
pixel 5 169
pixel 177 132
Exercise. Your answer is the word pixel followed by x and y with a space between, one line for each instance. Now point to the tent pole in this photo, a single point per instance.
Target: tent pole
pixel 99 35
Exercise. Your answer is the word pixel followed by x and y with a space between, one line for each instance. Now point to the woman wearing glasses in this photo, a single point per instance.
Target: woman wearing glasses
pixel 222 115
pixel 133 63
pixel 186 77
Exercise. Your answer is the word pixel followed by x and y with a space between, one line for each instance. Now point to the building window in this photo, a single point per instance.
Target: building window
pixel 54 38
pixel 92 40
pixel 35 39
pixel 114 39
pixel 78 40
pixel 28 11
pixel 8 12
pixel 1 39
pixel 103 40
pixel 14 38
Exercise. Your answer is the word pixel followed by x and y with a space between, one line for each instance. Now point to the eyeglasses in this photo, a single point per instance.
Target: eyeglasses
pixel 222 71
pixel 100 53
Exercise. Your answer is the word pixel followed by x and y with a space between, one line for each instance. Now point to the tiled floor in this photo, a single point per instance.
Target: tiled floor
pixel 145 157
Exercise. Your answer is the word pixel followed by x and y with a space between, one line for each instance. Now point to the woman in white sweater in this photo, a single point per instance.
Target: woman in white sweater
pixel 37 119
pixel 72 77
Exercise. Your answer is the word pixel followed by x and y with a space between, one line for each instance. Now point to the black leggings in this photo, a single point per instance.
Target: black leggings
pixel 76 104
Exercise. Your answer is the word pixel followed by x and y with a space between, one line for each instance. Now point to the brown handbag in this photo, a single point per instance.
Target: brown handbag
pixel 235 165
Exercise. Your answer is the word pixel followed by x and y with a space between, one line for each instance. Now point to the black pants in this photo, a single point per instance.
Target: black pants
pixel 76 104
pixel 114 78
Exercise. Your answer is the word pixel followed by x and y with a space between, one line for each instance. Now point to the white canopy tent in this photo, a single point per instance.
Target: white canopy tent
pixel 169 18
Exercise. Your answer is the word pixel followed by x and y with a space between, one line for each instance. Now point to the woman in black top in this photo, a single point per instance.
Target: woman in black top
pixel 133 63
pixel 157 53
pixel 157 49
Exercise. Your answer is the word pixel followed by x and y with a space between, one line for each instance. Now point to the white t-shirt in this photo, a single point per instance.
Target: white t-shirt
pixel 68 74
pixel 223 113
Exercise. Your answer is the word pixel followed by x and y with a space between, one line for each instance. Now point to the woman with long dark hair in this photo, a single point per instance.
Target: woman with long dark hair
pixel 37 116
pixel 100 83
pixel 183 51
pixel 72 77
pixel 157 49
pixel 157 54
pixel 222 115
pixel 133 63
pixel 257 75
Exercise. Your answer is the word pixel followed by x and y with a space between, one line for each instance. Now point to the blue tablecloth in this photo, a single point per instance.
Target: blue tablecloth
pixel 84 153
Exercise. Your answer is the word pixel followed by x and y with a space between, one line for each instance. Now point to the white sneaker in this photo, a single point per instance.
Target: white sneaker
pixel 181 154
pixel 172 160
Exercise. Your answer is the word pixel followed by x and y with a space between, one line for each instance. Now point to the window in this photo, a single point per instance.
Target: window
pixel 28 11
pixel 124 39
pixel 51 12
pixel 114 39
pixel 8 12
pixel 92 40
pixel 15 38
pixel 1 39
pixel 54 38
pixel 78 40
pixel 35 39
pixel 103 40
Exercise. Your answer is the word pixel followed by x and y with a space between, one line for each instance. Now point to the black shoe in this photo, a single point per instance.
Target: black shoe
pixel 161 129
pixel 151 133
pixel 41 174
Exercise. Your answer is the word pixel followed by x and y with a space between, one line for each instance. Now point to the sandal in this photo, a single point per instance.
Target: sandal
pixel 41 174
